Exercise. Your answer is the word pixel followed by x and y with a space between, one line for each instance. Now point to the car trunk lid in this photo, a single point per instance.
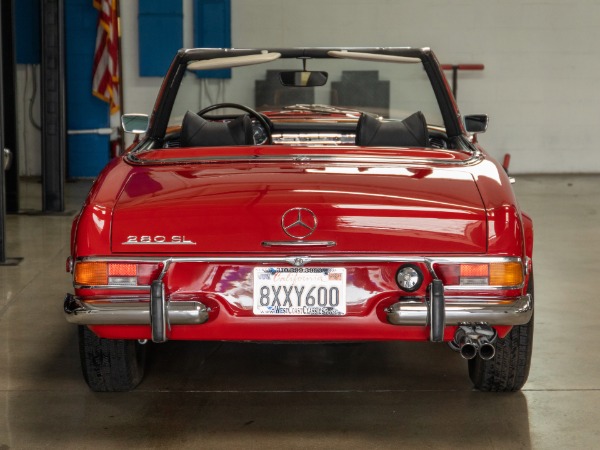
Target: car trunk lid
pixel 232 207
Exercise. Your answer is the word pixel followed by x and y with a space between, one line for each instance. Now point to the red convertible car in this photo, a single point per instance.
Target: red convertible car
pixel 305 194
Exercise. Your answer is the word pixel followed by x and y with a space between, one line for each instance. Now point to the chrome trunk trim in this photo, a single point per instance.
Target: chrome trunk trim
pixel 298 243
pixel 474 158
pixel 336 259
pixel 279 259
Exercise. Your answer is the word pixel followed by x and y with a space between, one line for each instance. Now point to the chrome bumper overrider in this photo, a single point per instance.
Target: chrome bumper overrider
pixel 457 311
pixel 130 311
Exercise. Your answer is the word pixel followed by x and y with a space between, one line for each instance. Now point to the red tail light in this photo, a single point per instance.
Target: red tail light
pixel 100 273
pixel 122 274
pixel 501 274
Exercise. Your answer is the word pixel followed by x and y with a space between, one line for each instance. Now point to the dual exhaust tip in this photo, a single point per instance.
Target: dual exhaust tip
pixel 472 341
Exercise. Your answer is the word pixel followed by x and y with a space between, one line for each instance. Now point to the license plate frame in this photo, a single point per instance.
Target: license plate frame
pixel 299 291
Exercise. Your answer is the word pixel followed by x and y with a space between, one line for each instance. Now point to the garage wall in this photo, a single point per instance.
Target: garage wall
pixel 29 139
pixel 540 84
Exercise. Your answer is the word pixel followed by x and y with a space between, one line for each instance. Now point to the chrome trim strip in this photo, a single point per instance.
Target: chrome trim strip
pixel 294 260
pixel 132 259
pixel 474 158
pixel 70 264
pixel 130 311
pixel 459 310
pixel 298 243
pixel 159 243
pixel 472 259
pixel 341 259
pixel 113 287
pixel 480 287
pixel 316 138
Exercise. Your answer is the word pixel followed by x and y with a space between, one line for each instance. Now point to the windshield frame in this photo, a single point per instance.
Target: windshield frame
pixel 168 92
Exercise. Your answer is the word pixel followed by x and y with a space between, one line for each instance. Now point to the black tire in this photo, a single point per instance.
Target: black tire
pixel 110 365
pixel 509 369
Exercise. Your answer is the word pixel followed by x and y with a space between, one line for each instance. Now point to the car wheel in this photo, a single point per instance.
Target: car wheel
pixel 509 369
pixel 110 365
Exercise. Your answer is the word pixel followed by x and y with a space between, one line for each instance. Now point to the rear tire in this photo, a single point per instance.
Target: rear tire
pixel 509 369
pixel 110 365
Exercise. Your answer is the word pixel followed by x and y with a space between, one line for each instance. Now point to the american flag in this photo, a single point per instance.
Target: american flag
pixel 105 72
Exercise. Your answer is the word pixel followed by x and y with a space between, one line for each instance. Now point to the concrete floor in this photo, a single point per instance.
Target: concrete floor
pixel 388 395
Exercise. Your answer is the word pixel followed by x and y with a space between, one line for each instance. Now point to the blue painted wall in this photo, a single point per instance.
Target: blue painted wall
pixel 212 29
pixel 27 31
pixel 86 154
pixel 160 35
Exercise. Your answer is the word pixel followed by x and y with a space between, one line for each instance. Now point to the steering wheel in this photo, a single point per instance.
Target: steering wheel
pixel 256 115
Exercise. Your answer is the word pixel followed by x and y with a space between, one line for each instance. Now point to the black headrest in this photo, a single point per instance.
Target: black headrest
pixel 198 132
pixel 411 132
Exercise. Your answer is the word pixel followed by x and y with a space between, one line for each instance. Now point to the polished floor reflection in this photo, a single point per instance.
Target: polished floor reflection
pixel 353 396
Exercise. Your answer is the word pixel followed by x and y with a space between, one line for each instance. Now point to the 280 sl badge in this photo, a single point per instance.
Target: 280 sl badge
pixel 158 240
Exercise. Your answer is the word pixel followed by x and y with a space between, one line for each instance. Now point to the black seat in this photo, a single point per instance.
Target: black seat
pixel 199 132
pixel 410 132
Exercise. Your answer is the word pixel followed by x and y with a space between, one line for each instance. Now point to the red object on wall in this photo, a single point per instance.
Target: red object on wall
pixel 506 162
pixel 455 68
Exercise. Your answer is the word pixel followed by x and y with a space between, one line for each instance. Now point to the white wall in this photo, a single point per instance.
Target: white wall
pixel 541 84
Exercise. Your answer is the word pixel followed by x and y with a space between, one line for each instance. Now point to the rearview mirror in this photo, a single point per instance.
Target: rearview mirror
pixel 303 78
pixel 135 123
pixel 476 123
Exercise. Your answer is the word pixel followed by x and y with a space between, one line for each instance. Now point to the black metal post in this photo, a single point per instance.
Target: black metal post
pixel 53 106
pixel 5 64
pixel 9 100
pixel 2 193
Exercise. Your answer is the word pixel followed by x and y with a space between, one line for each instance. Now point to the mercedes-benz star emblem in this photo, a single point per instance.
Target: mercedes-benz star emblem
pixel 299 222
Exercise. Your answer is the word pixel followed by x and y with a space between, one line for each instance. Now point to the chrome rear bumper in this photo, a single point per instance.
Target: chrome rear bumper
pixel 130 311
pixel 492 311
pixel 437 312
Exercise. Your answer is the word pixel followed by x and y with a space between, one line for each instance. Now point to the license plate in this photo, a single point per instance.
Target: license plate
pixel 299 291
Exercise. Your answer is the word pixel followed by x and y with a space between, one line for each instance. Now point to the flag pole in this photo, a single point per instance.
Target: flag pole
pixel 120 134
pixel 106 72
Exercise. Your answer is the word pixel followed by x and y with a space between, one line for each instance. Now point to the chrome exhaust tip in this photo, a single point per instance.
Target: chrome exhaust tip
pixel 464 344
pixel 471 340
pixel 468 350
pixel 486 350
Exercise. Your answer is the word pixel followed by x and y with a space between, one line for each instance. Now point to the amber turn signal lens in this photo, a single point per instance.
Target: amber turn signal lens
pixel 506 274
pixel 91 273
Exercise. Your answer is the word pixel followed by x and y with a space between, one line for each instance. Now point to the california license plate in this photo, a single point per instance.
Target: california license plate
pixel 299 291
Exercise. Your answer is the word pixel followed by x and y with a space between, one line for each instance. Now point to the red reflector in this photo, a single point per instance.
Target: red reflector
pixel 122 270
pixel 474 270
